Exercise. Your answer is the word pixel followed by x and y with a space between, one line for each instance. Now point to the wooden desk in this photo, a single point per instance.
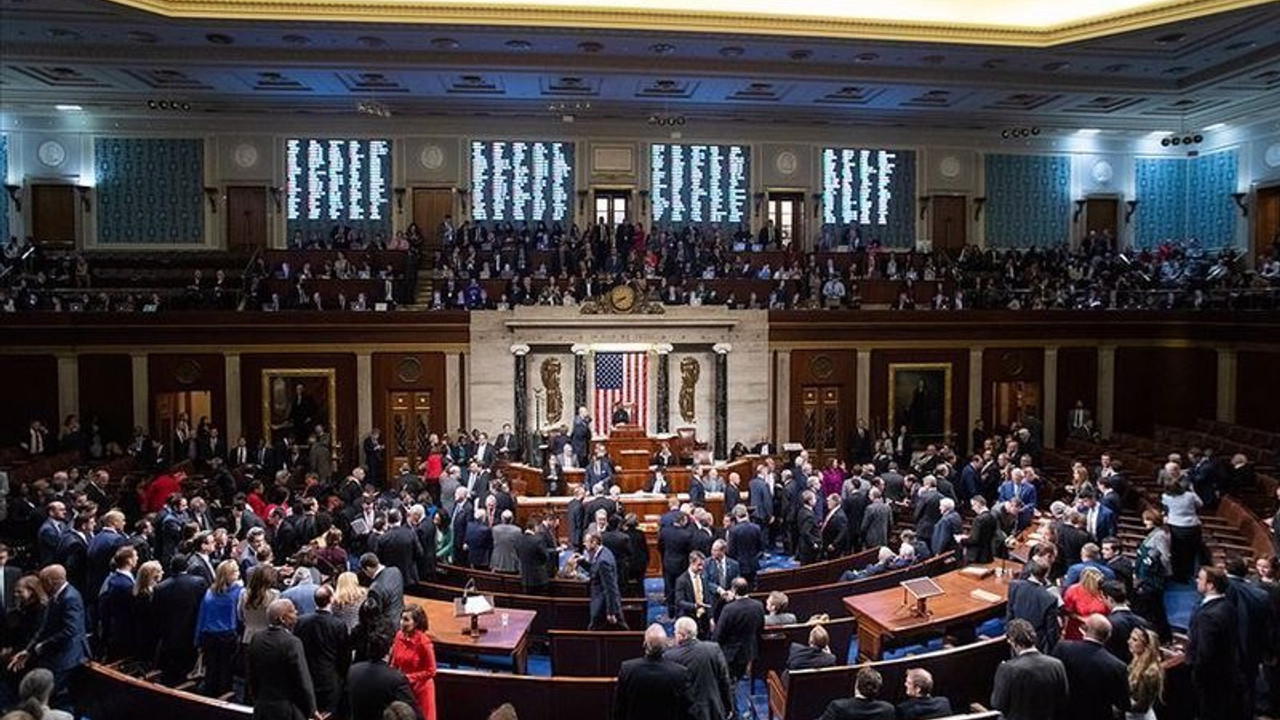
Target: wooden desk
pixel 527 480
pixel 446 631
pixel 884 619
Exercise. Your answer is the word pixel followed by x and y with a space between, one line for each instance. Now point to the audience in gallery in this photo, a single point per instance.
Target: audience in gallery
pixel 262 559
pixel 537 264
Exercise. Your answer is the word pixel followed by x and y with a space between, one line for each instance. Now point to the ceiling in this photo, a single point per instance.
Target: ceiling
pixel 111 59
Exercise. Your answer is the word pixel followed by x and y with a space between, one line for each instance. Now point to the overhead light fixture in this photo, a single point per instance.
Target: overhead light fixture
pixel 68 108
pixel 1215 126
pixel 1088 131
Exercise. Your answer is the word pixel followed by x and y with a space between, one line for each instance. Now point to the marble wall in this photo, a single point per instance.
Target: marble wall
pixel 692 332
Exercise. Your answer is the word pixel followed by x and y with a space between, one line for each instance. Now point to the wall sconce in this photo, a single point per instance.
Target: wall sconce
pixel 817 202
pixel 1075 218
pixel 399 200
pixel 465 194
pixel 1239 197
pixel 1131 206
pixel 277 196
pixel 582 202
pixel 759 198
pixel 14 196
pixel 644 203
pixel 83 191
pixel 211 194
pixel 978 203
pixel 924 204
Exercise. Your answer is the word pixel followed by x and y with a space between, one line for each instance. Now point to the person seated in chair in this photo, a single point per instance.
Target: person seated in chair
pixel 920 703
pixel 817 654
pixel 885 562
pixel 621 416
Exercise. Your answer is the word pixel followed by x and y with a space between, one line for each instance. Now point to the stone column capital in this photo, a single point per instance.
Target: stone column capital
pixel 519 350
pixel 722 348
pixel 580 349
pixel 664 348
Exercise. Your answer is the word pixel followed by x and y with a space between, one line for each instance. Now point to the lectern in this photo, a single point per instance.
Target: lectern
pixel 473 607
pixel 920 589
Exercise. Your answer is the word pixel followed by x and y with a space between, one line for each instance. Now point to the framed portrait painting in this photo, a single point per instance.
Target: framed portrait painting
pixel 920 399
pixel 295 401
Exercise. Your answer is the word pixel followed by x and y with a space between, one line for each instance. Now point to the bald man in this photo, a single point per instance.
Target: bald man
pixel 61 644
pixel 708 671
pixel 1089 665
pixel 278 681
pixel 652 687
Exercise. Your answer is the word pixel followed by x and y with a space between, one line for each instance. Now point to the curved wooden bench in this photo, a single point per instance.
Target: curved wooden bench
pixel 806 602
pixel 819 573
pixel 554 613
pixel 104 693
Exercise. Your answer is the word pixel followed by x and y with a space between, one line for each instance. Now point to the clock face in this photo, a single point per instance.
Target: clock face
pixel 623 298
pixel 51 153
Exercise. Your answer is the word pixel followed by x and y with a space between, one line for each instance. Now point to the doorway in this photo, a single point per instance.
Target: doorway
pixel 195 404
pixel 822 422
pixel 409 428
pixel 1010 399
pixel 430 206
pixel 1266 223
pixel 950 221
pixel 786 210
pixel 1101 214
pixel 612 206
pixel 246 217
pixel 53 214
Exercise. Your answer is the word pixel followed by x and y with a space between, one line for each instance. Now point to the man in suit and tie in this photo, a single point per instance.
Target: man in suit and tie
pixel 373 685
pixel 61 643
pixel 653 687
pixel 1123 620
pixel 478 540
pixel 9 576
pixel 277 676
pixel 508 445
pixel 386 584
pixel 485 453
pixel 1100 679
pixel 693 596
pixel 241 455
pixel 921 703
pixel 533 557
pixel 1030 685
pixel 599 469
pixel 1099 520
pixel 863 705
pixel 835 531
pixel 505 533
pixel 1253 605
pixel 745 543
pixel 73 551
pixel 816 654
pixel 1031 601
pixel 325 642
pixel 580 434
pixel 738 629
pixel 808 538
pixel 675 542
pixel 200 563
pixel 977 543
pixel 476 481
pixel 760 498
pixel 1078 419
pixel 49 537
pixel 606 597
pixel 708 672
pixel 949 527
pixel 1024 492
pixel 720 573
pixel 399 547
pixel 102 548
pixel 177 606
pixel 375 456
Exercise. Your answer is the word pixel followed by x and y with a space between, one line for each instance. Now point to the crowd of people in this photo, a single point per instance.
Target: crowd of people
pixel 267 576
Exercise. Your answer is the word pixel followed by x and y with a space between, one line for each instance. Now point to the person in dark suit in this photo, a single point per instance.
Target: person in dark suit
pixel 464 514
pixel 653 687
pixel 532 557
pixel 177 606
pixel 375 456
pixel 738 629
pixel 372 685
pixel 927 508
pixel 808 539
pixel 708 672
pixel 580 434
pixel 73 552
pixel 1123 620
pixel 977 543
pixel 326 644
pixel 386 584
pixel 1252 604
pixel 576 514
pixel 606 598
pixel 760 498
pixel 476 481
pixel 1213 646
pixel 949 526
pixel 1099 520
pixel 10 576
pixel 921 703
pixel 745 544
pixel 693 595
pixel 102 549
pixel 508 445
pixel 732 492
pixel 675 542
pixel 399 547
pixel 863 705
pixel 61 644
pixel 201 563
pixel 485 452
pixel 620 416
pixel 1100 680
pixel 277 677
pixel 478 541
pixel 816 654
pixel 1031 601
pixel 1030 685
pixel 834 530
pixel 638 544
pixel 115 606
pixel 697 490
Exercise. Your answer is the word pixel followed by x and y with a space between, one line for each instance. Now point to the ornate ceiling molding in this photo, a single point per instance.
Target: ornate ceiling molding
pixel 947 30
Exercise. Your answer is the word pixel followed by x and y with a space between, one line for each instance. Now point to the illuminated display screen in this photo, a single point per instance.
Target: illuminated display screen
pixel 332 181
pixel 519 180
pixel 699 183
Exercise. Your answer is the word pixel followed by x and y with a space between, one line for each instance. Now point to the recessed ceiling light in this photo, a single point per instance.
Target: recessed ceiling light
pixel 518 44
pixel 1055 66
pixel 68 108
pixel 866 57
pixel 219 39
pixel 732 51
pixel 1171 39
pixel 662 48
pixel 445 43
pixel 1088 131
pixel 588 46
pixel 1215 126
pixel 800 54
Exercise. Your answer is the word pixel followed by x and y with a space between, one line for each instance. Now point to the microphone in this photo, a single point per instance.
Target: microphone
pixel 469 588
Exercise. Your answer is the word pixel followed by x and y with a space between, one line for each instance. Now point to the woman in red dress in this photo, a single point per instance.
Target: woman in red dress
pixel 415 656
pixel 433 466
pixel 1081 600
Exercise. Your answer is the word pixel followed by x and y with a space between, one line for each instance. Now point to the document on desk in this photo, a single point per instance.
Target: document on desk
pixel 984 596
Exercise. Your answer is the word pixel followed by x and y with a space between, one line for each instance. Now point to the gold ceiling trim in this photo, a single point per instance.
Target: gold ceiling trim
pixel 547 16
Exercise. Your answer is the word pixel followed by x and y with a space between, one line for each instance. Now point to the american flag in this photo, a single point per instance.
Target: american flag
pixel 621 378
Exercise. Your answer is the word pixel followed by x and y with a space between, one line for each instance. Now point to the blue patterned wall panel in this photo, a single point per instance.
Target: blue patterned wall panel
pixel 1211 213
pixel 4 196
pixel 149 191
pixel 1028 200
pixel 900 228
pixel 1161 185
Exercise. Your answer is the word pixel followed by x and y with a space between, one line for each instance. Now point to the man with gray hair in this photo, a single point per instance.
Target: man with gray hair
pixel 708 671
pixel 505 533
pixel 653 687
pixel 277 679
pixel 949 527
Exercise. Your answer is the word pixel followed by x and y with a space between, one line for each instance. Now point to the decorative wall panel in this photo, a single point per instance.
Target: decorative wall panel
pixel 149 191
pixel 1211 213
pixel 1028 200
pixel 4 197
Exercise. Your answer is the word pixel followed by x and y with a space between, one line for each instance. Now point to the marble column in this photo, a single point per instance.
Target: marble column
pixel 1106 389
pixel 521 384
pixel 1050 409
pixel 782 394
pixel 231 374
pixel 69 387
pixel 862 386
pixel 722 399
pixel 1227 375
pixel 663 411
pixel 364 398
pixel 453 391
pixel 963 435
pixel 580 381
pixel 141 391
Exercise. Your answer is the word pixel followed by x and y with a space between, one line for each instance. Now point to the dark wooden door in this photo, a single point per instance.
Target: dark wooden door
pixel 822 422
pixel 950 222
pixel 53 214
pixel 430 205
pixel 409 423
pixel 1101 214
pixel 1266 228
pixel 246 216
